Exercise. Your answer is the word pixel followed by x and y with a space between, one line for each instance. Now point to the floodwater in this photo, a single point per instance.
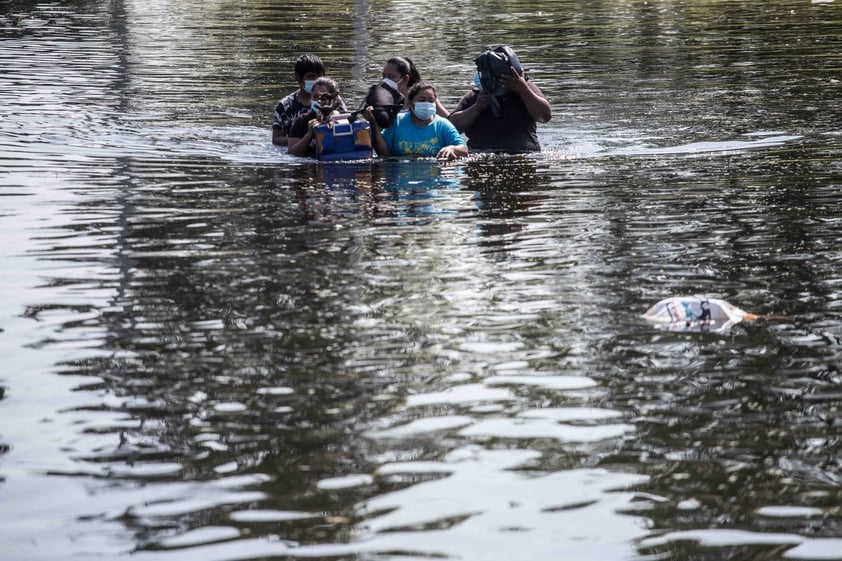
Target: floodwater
pixel 213 351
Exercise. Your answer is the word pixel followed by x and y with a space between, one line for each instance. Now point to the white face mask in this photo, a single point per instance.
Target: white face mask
pixel 391 83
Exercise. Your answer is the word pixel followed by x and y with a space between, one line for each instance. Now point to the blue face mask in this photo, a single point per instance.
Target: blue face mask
pixel 315 105
pixel 308 85
pixel 424 110
pixel 477 80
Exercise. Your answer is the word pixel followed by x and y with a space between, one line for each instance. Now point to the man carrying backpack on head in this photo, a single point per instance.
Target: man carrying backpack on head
pixel 500 113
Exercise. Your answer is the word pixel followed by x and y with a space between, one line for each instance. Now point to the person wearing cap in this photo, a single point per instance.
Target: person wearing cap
pixel 308 68
pixel 502 110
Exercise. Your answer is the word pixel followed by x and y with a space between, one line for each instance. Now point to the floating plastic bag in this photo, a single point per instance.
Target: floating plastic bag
pixel 695 313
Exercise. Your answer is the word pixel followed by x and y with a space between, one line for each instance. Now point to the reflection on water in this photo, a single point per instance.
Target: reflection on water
pixel 216 351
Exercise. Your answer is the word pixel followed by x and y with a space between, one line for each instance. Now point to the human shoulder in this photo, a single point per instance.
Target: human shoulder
pixel 300 125
pixel 306 117
pixel 290 101
pixel 401 127
pixel 443 122
pixel 403 118
pixel 467 100
pixel 448 131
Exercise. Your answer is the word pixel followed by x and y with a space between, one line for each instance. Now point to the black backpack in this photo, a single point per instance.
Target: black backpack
pixel 387 103
pixel 494 63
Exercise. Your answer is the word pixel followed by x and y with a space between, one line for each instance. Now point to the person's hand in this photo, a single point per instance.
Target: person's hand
pixel 447 153
pixel 312 124
pixel 515 82
pixel 368 114
pixel 483 100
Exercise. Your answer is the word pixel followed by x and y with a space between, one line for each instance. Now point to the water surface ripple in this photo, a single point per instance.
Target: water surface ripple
pixel 212 350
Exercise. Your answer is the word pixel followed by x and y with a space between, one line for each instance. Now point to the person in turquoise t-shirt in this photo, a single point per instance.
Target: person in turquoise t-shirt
pixel 418 132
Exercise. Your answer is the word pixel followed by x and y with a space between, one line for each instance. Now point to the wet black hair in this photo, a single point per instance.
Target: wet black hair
pixel 418 87
pixel 407 68
pixel 309 63
pixel 331 85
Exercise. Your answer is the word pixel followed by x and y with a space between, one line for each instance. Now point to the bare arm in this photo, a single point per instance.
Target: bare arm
pixel 464 118
pixel 301 146
pixel 377 139
pixel 441 110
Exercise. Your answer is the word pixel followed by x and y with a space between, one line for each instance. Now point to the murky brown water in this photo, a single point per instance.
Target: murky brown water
pixel 213 351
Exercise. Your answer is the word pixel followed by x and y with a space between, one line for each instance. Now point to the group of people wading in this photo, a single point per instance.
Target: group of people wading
pixel 406 117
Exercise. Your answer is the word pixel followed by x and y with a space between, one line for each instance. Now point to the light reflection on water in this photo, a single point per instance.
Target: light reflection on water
pixel 215 351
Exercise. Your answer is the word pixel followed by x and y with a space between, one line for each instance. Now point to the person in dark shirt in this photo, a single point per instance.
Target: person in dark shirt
pixel 324 104
pixel 500 113
pixel 308 68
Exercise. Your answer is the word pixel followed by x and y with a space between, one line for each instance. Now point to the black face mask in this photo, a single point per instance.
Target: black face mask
pixel 325 106
pixel 494 63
